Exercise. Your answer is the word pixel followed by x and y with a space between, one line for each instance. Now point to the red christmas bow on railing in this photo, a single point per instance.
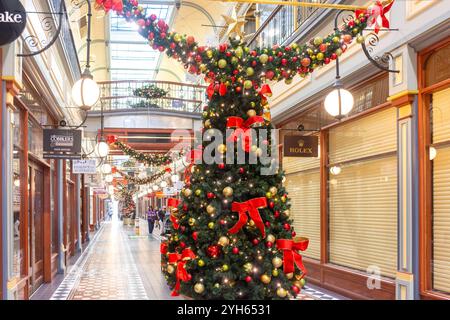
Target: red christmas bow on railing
pixel 377 17
pixel 163 247
pixel 250 206
pixel 181 273
pixel 265 92
pixel 243 130
pixel 290 255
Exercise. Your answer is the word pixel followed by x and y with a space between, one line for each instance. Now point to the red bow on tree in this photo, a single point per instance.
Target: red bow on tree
pixel 173 202
pixel 175 222
pixel 243 130
pixel 290 255
pixel 116 5
pixel 163 247
pixel 111 139
pixel 181 273
pixel 376 15
pixel 250 206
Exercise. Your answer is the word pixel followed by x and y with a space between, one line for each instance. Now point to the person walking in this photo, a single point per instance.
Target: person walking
pixel 161 216
pixel 151 218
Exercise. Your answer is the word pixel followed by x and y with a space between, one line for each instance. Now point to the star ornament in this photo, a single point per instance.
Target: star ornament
pixel 235 24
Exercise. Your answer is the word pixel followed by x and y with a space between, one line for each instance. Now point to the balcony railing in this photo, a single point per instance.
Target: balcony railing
pixel 281 23
pixel 119 95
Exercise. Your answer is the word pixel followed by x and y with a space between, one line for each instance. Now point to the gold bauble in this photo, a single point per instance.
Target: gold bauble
pixel 224 241
pixel 248 267
pixel 287 213
pixel 209 54
pixel 201 263
pixel 198 192
pixel 251 113
pixel 268 195
pixel 275 272
pixel 211 225
pixel 265 279
pixel 290 275
pixel 283 199
pixel 277 262
pixel 208 123
pixel 225 268
pixel 297 283
pixel 175 238
pixel 228 192
pixel 273 190
pixel 210 209
pixel 170 269
pixel 281 292
pixel 191 221
pixel 199 288
pixel 251 223
pixel 187 192
pixel 270 238
pixel 222 148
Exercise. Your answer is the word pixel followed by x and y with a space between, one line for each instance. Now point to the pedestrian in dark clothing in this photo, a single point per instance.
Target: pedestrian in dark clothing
pixel 151 218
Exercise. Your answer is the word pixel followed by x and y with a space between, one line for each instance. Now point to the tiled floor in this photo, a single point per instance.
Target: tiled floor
pixel 121 265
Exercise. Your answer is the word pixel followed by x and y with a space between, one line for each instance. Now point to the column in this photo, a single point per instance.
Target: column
pixel 403 95
pixel 78 210
pixel 60 196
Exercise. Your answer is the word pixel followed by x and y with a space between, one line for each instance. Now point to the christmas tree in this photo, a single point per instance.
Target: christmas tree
pixel 232 235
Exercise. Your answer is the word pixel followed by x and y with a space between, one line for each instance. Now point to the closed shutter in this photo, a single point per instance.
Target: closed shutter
pixel 441 191
pixel 303 186
pixel 363 196
pixel 369 136
pixel 304 191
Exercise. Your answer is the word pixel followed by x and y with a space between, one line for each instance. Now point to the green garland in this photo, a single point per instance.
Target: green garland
pixel 150 92
pixel 150 159
pixel 148 180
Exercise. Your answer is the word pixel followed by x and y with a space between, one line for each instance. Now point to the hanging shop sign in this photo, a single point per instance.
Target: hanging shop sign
pixel 301 146
pixel 13 20
pixel 88 166
pixel 62 144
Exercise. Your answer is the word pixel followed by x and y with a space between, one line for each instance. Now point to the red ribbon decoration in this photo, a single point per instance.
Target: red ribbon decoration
pixel 243 130
pixel 376 14
pixel 163 247
pixel 173 202
pixel 175 222
pixel 210 91
pixel 265 92
pixel 290 255
pixel 181 273
pixel 250 206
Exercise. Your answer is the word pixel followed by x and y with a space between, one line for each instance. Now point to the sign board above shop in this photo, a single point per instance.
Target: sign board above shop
pixel 62 144
pixel 13 20
pixel 301 146
pixel 88 166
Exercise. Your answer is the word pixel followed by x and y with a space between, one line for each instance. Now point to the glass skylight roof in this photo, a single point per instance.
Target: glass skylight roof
pixel 131 56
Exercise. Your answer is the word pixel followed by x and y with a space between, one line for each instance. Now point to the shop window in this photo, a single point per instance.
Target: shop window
pixel 363 193
pixel 17 195
pixel 54 204
pixel 438 67
pixel 440 156
pixel 35 138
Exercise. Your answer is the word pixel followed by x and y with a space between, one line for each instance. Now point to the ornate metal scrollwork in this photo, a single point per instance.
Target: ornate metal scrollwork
pixel 36 45
pixel 383 61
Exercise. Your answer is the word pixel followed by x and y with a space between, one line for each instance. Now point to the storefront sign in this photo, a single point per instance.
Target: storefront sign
pixel 13 20
pixel 62 144
pixel 84 166
pixel 301 146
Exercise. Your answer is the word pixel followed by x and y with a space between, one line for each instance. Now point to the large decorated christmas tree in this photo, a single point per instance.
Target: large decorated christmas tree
pixel 232 234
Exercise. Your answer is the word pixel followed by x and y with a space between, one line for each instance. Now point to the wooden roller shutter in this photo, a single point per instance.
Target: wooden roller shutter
pixel 363 197
pixel 441 191
pixel 303 186
pixel 369 136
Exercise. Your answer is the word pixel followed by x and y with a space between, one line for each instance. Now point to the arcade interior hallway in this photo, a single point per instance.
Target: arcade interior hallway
pixel 119 265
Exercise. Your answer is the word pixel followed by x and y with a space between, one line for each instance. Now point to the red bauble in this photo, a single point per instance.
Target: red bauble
pixel 270 74
pixel 255 242
pixel 293 233
pixel 326 60
pixel 254 63
pixel 323 47
pixel 195 235
pixel 213 251
pixel 222 89
pixel 287 226
pixel 270 58
pixel 183 228
pixel 238 89
pixel 241 170
pixel 189 277
pixel 185 207
pixel 280 54
pixel 248 279
pixel 269 244
pixel 294 59
pixel 271 205
pixel 172 45
pixel 210 195
pixel 267 224
pixel 306 62
pixel 253 53
pixel 235 250
pixel 182 245
pixel 221 166
pixel 276 214
pixel 190 40
pixel 223 47
pixel 223 222
pixel 333 56
pixel 284 62
pixel 295 289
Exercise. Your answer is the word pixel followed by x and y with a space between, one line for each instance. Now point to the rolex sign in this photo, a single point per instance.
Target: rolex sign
pixel 13 19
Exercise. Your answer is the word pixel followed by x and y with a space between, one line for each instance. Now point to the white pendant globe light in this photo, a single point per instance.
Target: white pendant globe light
pixel 155 188
pixel 163 184
pixel 106 168
pixel 109 178
pixel 339 102
pixel 335 170
pixel 102 149
pixel 85 93
pixel 175 178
